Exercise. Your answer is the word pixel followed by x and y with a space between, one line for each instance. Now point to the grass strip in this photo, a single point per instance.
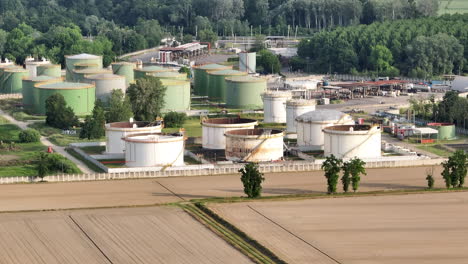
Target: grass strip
pixel 88 163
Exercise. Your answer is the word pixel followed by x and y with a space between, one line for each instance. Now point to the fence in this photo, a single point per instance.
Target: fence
pixel 11 96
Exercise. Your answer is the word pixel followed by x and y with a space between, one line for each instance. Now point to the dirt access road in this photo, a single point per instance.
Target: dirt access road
pixel 428 228
pixel 49 196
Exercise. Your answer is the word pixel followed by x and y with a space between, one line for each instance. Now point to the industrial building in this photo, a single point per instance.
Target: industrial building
pixel 274 106
pixel 245 92
pixel 170 75
pixel 143 72
pixel 12 79
pixel 248 62
pixel 213 130
pixel 177 96
pixel 295 108
pixel 115 132
pixel 52 70
pixel 105 83
pixel 125 69
pixel 201 77
pixel 79 96
pixel 349 141
pixel 28 88
pixel 154 150
pixel 310 127
pixel 217 83
pixel 83 59
pixel 254 145
pixel 184 51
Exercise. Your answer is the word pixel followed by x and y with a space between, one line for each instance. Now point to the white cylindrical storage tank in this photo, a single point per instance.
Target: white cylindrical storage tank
pixel 254 145
pixel 105 83
pixel 215 128
pixel 274 106
pixel 115 132
pixel 31 66
pixel 295 108
pixel 349 141
pixel 248 62
pixel 154 150
pixel 310 125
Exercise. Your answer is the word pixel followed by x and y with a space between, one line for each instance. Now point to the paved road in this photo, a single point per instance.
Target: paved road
pixel 46 142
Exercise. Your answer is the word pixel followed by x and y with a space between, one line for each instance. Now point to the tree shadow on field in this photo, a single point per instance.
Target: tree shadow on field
pixel 185 196
pixel 391 186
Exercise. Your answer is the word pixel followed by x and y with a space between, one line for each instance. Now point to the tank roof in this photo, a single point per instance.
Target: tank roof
pixel 168 74
pixel 213 66
pixel 256 132
pixel 124 63
pixel 153 69
pixel 323 115
pixel 440 124
pixel 153 138
pixel 130 124
pixel 83 56
pixel 173 82
pixel 227 72
pixel 301 102
pixel 42 78
pixel 104 76
pixel 64 86
pixel 92 71
pixel 348 127
pixel 50 66
pixel 247 78
pixel 86 64
pixel 19 69
pixel 276 94
pixel 228 120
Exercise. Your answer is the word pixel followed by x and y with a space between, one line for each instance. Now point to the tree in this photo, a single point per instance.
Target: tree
pixel 151 30
pixel 454 172
pixel 41 165
pixel 430 178
pixel 58 114
pixel 356 169
pixel 174 119
pixel 269 62
pixel 258 44
pixel 346 178
pixel 147 98
pixel 29 135
pixel 120 108
pixel 381 59
pixel 207 35
pixel 332 168
pixel 252 180
pixel 185 70
pixel 94 125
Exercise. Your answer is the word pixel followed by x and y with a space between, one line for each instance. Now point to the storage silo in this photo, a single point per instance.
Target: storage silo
pixel 254 145
pixel 115 132
pixel 3 68
pixel 53 70
pixel 31 66
pixel 79 96
pixel 28 88
pixel 245 92
pixel 447 131
pixel 177 97
pixel 173 75
pixel 80 75
pixel 200 77
pixel 274 106
pixel 295 108
pixel 217 83
pixel 154 150
pixel 83 58
pixel 105 83
pixel 12 80
pixel 125 69
pixel 310 127
pixel 213 130
pixel 248 62
pixel 143 72
pixel 349 141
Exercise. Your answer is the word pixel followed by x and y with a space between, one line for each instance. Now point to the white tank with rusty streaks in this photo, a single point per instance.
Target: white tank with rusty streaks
pixel 254 145
pixel 115 132
pixel 214 129
pixel 274 106
pixel 295 108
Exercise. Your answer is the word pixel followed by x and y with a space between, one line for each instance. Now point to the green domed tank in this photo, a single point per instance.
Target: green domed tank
pixel 244 92
pixel 79 96
pixel 217 83
pixel 79 75
pixel 141 73
pixel 173 75
pixel 28 88
pixel 200 77
pixel 83 58
pixel 447 131
pixel 177 97
pixel 53 70
pixel 12 80
pixel 125 69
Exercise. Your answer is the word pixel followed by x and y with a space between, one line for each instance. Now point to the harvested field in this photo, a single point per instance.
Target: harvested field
pixel 417 228
pixel 137 235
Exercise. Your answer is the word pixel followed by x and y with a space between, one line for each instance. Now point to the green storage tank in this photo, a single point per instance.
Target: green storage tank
pixel 170 75
pixel 28 88
pixel 447 131
pixel 2 69
pixel 12 80
pixel 80 75
pixel 82 66
pixel 200 77
pixel 245 92
pixel 217 83
pixel 83 58
pixel 125 69
pixel 79 96
pixel 53 70
pixel 141 73
pixel 177 97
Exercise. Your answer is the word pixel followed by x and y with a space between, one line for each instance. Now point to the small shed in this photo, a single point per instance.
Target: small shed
pixel 425 134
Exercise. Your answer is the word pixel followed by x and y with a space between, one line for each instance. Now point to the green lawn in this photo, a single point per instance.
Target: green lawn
pixel 192 127
pixel 11 106
pixel 93 150
pixel 55 135
pixel 435 149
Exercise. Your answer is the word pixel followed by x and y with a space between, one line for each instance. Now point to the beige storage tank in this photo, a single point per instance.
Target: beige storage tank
pixel 274 106
pixel 154 150
pixel 349 141
pixel 214 129
pixel 31 66
pixel 83 60
pixel 254 145
pixel 125 69
pixel 105 83
pixel 295 108
pixel 115 132
pixel 310 127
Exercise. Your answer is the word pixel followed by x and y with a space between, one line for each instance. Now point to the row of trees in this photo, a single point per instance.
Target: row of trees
pixel 420 48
